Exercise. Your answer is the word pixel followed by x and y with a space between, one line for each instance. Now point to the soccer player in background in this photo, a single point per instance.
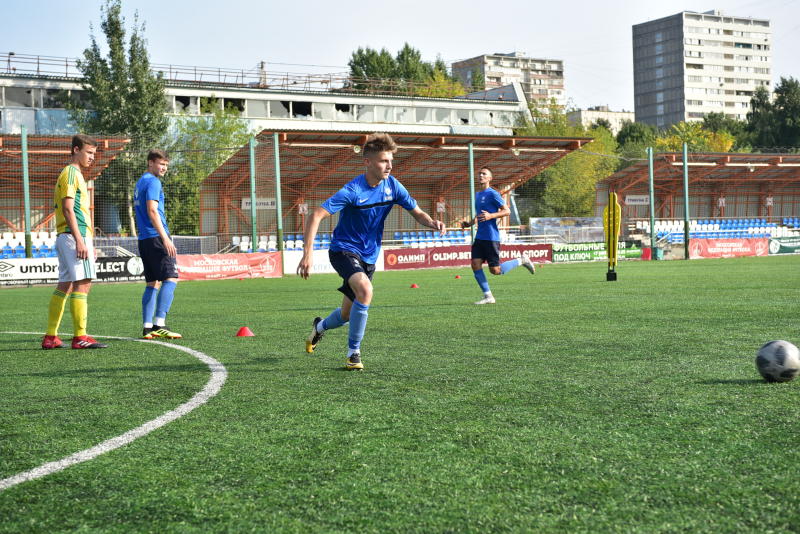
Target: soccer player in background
pixel 486 247
pixel 156 248
pixel 364 203
pixel 74 248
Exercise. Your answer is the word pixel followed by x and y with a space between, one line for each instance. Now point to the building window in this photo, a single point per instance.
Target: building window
pixel 19 97
pixel 257 108
pixel 279 109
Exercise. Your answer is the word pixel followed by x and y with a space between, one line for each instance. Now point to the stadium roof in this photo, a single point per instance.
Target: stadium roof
pixel 719 169
pixel 47 156
pixel 311 158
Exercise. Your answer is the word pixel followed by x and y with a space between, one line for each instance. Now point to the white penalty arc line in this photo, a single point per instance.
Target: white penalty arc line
pixel 218 376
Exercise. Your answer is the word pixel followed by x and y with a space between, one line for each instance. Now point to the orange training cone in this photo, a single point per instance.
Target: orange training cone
pixel 414 286
pixel 245 332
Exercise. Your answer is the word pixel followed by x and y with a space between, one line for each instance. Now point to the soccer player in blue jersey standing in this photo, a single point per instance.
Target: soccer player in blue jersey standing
pixel 364 203
pixel 156 248
pixel 486 247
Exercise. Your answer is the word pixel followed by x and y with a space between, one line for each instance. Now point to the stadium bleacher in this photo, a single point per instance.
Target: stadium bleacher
pixel 672 230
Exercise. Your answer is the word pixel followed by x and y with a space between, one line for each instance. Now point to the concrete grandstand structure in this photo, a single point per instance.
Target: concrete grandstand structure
pixel 31 88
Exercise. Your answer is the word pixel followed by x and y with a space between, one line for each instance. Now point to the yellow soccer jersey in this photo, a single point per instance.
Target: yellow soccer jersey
pixel 71 184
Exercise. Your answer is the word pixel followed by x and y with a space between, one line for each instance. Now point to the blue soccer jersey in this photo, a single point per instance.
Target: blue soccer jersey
pixel 148 188
pixel 364 210
pixel 490 201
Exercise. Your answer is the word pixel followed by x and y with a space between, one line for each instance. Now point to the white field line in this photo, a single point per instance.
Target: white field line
pixel 212 387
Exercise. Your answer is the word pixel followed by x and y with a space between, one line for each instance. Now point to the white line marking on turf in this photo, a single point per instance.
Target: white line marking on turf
pixel 212 387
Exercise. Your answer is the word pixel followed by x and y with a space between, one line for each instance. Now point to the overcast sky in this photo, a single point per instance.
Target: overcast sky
pixel 592 37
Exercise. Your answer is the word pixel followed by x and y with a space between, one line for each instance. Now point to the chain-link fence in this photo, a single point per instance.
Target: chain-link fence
pixel 256 196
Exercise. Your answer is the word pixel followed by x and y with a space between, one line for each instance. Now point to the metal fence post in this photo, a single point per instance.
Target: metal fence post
pixel 277 153
pixel 652 203
pixel 254 230
pixel 472 188
pixel 26 192
pixel 685 202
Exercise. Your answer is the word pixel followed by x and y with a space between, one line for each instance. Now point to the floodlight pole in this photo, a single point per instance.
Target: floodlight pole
pixel 472 188
pixel 26 192
pixel 253 229
pixel 652 203
pixel 279 208
pixel 685 201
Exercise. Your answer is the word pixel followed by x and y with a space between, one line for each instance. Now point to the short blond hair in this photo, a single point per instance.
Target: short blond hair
pixel 379 142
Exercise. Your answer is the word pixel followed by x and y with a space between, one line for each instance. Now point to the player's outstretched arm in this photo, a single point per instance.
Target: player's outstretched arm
pixel 426 220
pixel 312 226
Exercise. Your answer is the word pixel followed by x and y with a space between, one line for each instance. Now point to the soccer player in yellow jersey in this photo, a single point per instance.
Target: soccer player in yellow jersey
pixel 74 247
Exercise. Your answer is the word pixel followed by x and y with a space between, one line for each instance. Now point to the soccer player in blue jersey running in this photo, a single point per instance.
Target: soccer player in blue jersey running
pixel 156 248
pixel 364 203
pixel 486 247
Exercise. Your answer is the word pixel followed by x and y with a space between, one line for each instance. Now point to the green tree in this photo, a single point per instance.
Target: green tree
pixel 368 65
pixel 633 139
pixel 439 86
pixel 201 144
pixel 410 66
pixel 405 73
pixel 762 122
pixel 718 122
pixel 696 138
pixel 123 97
pixel 568 187
pixel 478 80
pixel 601 123
pixel 787 111
pixel 636 132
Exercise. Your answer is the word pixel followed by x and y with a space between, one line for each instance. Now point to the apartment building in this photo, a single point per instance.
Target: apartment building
pixel 690 64
pixel 541 79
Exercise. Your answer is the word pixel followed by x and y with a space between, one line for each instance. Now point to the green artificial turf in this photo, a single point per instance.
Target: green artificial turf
pixel 571 405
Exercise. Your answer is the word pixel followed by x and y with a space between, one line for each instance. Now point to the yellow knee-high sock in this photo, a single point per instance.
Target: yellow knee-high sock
pixel 79 307
pixel 55 312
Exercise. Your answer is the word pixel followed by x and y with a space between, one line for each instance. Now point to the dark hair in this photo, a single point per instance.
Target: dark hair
pixel 379 142
pixel 488 169
pixel 157 153
pixel 81 140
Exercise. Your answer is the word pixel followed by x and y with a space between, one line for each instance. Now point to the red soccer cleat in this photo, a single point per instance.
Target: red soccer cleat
pixel 86 342
pixel 51 342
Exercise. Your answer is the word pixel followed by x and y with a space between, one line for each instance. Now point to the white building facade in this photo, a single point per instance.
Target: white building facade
pixel 690 64
pixel 588 117
pixel 32 99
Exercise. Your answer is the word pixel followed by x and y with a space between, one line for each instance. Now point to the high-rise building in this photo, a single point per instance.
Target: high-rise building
pixel 690 64
pixel 541 79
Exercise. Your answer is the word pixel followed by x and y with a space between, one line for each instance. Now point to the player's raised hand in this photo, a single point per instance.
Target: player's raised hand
pixel 440 226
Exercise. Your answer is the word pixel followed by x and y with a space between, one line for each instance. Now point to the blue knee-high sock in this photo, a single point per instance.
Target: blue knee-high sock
pixel 148 304
pixel 358 323
pixel 334 320
pixel 508 265
pixel 164 301
pixel 480 276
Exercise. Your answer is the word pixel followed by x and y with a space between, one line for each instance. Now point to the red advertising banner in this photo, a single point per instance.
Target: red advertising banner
pixel 728 248
pixel 225 266
pixel 458 256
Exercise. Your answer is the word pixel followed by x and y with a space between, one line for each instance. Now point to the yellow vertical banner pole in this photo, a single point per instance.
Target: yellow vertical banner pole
pixel 611 224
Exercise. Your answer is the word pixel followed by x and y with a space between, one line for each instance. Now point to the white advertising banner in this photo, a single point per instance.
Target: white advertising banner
pixel 291 259
pixel 28 270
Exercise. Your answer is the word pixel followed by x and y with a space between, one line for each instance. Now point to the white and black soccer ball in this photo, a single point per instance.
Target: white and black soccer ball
pixel 778 361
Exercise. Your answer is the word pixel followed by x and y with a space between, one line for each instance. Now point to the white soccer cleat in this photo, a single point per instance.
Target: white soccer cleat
pixel 486 300
pixel 526 262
